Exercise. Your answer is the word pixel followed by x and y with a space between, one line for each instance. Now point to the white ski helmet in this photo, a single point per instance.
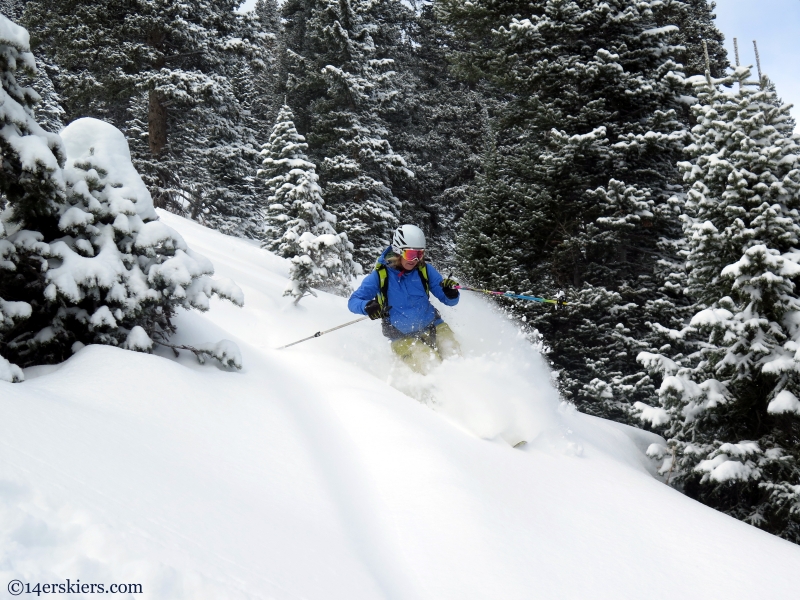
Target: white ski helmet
pixel 408 236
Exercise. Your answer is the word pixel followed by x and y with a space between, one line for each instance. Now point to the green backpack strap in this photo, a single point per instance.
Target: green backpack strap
pixel 383 279
pixel 423 273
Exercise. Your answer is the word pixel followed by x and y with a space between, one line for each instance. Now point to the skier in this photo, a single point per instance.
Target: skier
pixel 397 292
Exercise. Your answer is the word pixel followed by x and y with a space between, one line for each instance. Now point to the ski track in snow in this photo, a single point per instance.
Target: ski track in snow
pixel 329 471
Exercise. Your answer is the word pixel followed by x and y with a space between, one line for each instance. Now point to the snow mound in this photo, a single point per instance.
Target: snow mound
pixel 103 146
pixel 329 471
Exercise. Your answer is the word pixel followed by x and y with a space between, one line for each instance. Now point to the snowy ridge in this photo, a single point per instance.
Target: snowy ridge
pixel 315 472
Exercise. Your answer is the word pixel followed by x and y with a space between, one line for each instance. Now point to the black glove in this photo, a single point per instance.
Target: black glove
pixel 373 310
pixel 449 288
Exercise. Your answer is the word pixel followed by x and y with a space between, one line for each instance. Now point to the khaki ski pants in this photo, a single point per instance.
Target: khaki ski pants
pixel 422 353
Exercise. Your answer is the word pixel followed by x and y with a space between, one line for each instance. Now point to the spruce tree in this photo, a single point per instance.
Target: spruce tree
pixel 116 273
pixel 729 399
pixel 31 191
pixel 337 84
pixel 85 258
pixel 322 261
pixel 49 112
pixel 588 134
pixel 495 230
pixel 84 38
pixel 123 273
pixel 269 72
pixel 436 123
pixel 695 21
pixel 297 226
pixel 11 9
pixel 253 73
pixel 160 71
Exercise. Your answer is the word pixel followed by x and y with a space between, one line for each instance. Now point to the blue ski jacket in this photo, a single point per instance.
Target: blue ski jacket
pixel 411 310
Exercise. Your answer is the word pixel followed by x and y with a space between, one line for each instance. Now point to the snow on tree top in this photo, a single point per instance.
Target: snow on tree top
pixel 722 468
pixel 14 35
pixel 32 150
pixel 100 145
pixel 661 30
pixel 784 402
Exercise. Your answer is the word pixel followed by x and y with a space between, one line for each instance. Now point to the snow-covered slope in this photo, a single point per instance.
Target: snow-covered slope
pixel 327 471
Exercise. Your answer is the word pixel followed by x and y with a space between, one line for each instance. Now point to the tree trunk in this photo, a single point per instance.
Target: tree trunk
pixel 622 253
pixel 157 124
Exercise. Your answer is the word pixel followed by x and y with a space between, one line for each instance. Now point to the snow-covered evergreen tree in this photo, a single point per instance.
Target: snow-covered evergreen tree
pixel 163 72
pixel 291 182
pixel 31 192
pixel 84 256
pixel 435 123
pixel 116 273
pixel 269 66
pixel 297 226
pixel 322 261
pixel 495 231
pixel 269 14
pixel 122 272
pixel 337 83
pixel 11 9
pixel 78 35
pixel 588 135
pixel 695 21
pixel 32 182
pixel 731 378
pixel 49 112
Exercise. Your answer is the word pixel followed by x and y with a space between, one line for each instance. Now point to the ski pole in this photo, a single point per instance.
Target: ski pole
pixel 510 295
pixel 319 333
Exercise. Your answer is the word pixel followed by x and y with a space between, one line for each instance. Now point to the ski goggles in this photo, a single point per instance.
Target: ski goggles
pixel 411 254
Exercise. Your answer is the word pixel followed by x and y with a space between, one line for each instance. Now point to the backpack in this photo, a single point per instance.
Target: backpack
pixel 383 278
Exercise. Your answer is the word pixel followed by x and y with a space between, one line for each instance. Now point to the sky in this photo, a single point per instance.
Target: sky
pixel 774 24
